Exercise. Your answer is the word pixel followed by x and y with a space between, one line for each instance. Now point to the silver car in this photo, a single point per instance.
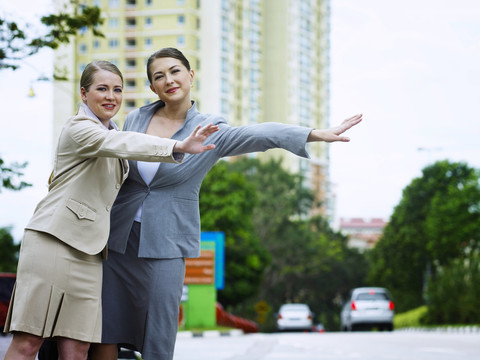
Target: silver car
pixel 294 317
pixel 368 307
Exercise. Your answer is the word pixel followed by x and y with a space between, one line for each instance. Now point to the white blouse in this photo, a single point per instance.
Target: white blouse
pixel 147 171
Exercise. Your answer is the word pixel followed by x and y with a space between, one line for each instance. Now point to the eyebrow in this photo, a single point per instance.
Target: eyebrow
pixel 107 85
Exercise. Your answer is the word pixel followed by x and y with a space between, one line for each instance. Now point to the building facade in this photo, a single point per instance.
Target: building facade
pixel 362 233
pixel 254 61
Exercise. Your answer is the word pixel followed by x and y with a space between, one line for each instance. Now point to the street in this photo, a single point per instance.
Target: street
pixel 396 345
pixel 333 346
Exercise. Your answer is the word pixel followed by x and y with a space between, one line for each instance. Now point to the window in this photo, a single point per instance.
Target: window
pixel 130 103
pixel 180 40
pixel 148 21
pixel 113 43
pixel 97 3
pixel 96 44
pixel 148 2
pixel 181 20
pixel 130 83
pixel 224 106
pixel 113 23
pixel 131 2
pixel 131 22
pixel 131 63
pixel 113 3
pixel 148 42
pixel 180 2
pixel 82 48
pixel 224 84
pixel 131 43
pixel 224 65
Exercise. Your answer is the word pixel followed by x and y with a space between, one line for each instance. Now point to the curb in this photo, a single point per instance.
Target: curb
pixel 208 333
pixel 447 329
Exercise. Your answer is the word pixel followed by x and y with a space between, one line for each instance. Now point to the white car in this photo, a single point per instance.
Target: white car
pixel 294 317
pixel 368 307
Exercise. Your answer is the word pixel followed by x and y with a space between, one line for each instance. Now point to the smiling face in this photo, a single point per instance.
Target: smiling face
pixel 171 80
pixel 104 95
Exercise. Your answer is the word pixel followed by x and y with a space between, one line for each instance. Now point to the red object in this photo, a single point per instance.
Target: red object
pixel 226 319
pixel 391 305
pixel 353 306
pixel 7 280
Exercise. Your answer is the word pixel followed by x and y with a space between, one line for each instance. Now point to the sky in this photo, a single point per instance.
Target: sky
pixel 411 67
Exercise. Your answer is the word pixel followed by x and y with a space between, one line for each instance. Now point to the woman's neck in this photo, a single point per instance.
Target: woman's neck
pixel 176 112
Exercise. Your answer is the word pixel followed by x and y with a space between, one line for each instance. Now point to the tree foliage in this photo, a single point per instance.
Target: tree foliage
pixel 19 41
pixel 454 292
pixel 436 221
pixel 227 201
pixel 310 262
pixel 9 253
pixel 10 174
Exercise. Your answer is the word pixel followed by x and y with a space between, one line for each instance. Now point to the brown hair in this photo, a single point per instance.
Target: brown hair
pixel 166 53
pixel 89 72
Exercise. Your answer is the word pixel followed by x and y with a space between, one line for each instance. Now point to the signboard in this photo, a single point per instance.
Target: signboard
pixel 209 268
pixel 201 270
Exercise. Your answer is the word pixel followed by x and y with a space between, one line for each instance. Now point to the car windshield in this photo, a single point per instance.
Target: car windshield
pixel 372 296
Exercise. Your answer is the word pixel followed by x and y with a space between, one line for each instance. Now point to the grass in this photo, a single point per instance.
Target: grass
pixel 413 319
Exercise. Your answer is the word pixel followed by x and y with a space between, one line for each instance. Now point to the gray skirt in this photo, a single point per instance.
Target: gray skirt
pixel 57 292
pixel 141 299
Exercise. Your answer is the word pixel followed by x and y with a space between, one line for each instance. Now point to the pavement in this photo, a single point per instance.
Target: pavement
pixel 4 342
pixel 5 339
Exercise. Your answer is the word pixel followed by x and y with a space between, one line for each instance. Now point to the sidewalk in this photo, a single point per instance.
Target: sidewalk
pixel 4 342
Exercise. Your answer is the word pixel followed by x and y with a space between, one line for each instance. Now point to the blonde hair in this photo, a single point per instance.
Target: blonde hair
pixel 88 73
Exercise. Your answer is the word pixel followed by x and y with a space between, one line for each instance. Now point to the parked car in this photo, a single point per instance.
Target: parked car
pixel 294 317
pixel 367 307
pixel 7 280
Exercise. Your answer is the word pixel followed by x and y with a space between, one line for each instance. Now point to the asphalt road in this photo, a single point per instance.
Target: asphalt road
pixel 333 346
pixel 397 345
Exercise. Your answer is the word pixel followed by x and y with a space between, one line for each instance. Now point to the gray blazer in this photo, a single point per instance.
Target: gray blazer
pixel 87 175
pixel 170 217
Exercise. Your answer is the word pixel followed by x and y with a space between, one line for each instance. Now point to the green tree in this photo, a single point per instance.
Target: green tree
pixel 9 253
pixel 435 221
pixel 19 41
pixel 454 292
pixel 10 174
pixel 310 262
pixel 227 201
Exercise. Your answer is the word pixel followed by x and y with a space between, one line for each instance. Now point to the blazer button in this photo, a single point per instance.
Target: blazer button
pixel 108 208
pixel 117 186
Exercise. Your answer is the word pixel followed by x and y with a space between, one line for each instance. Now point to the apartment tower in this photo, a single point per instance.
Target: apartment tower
pixel 254 61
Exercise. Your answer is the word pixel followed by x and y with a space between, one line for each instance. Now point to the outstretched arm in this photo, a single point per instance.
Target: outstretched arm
pixel 333 134
pixel 193 144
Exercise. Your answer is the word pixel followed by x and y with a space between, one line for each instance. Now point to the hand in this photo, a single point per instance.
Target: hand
pixel 333 134
pixel 193 144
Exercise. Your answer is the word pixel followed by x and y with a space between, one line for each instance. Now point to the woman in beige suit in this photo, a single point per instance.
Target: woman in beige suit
pixel 59 277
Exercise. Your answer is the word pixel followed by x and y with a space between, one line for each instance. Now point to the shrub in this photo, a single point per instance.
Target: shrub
pixel 412 318
pixel 453 293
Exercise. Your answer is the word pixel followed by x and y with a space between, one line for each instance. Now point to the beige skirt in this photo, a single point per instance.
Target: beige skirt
pixel 58 291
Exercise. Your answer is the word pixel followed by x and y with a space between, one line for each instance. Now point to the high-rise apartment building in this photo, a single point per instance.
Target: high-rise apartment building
pixel 254 61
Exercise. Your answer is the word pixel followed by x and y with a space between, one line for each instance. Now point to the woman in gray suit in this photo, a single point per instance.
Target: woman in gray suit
pixel 59 276
pixel 156 220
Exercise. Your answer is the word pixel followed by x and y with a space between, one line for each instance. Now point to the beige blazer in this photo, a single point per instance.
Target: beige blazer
pixel 88 172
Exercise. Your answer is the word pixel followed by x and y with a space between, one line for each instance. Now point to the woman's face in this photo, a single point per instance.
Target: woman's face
pixel 104 97
pixel 171 80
